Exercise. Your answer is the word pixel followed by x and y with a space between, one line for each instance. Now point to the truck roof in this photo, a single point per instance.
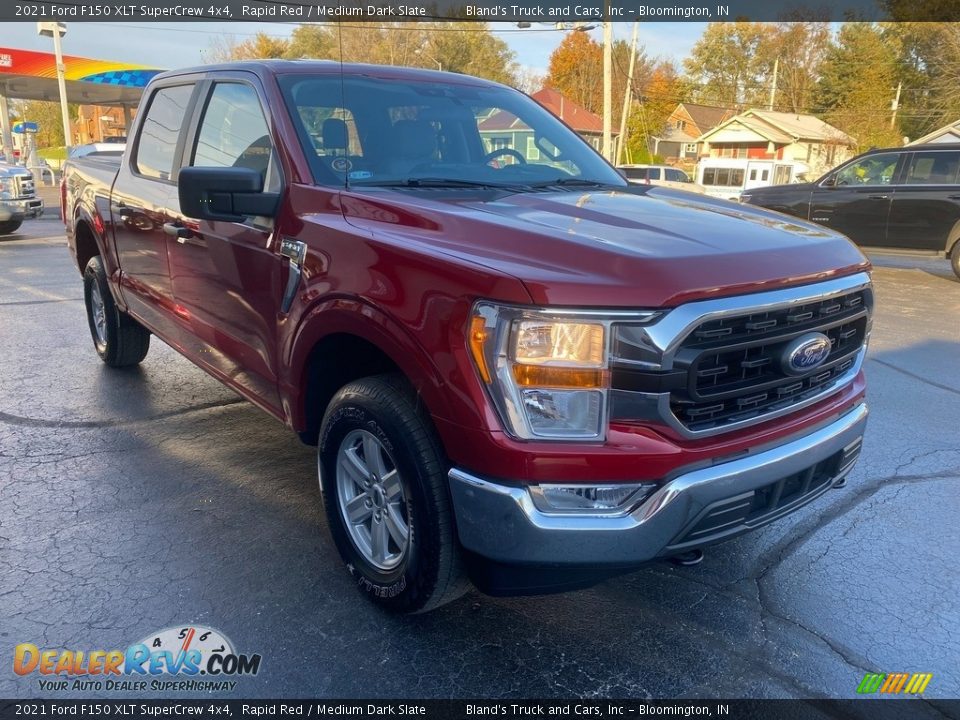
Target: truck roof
pixel 265 68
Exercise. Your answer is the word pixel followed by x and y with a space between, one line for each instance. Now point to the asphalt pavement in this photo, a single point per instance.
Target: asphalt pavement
pixel 133 501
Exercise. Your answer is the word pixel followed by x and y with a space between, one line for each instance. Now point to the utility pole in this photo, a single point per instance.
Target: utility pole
pixel 628 93
pixel 56 30
pixel 773 88
pixel 895 105
pixel 607 82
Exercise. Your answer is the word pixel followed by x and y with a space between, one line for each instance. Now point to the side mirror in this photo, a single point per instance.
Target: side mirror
pixel 231 194
pixel 829 181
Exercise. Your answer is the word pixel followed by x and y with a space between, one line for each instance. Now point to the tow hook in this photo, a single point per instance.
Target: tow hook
pixel 688 559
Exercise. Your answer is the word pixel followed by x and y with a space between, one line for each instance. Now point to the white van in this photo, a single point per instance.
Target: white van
pixel 727 178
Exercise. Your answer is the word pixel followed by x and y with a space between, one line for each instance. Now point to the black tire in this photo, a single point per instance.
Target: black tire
pixel 123 341
pixel 429 572
pixel 955 258
pixel 10 226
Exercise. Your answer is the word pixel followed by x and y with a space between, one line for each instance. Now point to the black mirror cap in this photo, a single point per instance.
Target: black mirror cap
pixel 829 181
pixel 230 193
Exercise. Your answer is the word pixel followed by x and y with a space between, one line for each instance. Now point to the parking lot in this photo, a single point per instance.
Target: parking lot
pixel 139 500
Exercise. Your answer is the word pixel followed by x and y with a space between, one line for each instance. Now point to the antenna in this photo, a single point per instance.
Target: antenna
pixel 343 103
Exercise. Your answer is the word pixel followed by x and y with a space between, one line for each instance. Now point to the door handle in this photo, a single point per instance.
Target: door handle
pixel 123 211
pixel 296 252
pixel 953 197
pixel 878 197
pixel 181 233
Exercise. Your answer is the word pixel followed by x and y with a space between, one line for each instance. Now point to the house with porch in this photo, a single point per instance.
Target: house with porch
pixel 678 141
pixel 504 130
pixel 769 135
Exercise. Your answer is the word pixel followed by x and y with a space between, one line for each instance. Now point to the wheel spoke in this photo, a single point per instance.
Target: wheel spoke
pixel 373 454
pixel 396 526
pixel 391 486
pixel 378 541
pixel 357 510
pixel 354 467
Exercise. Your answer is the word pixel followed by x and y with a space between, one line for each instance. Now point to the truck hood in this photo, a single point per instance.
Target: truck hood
pixel 636 247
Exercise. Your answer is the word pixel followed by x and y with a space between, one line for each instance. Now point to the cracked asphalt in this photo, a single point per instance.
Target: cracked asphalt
pixel 132 501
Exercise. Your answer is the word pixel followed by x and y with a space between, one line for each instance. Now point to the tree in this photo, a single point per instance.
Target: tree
pixel 576 70
pixel 728 64
pixel 465 47
pixel 661 91
pixel 857 79
pixel 261 45
pixel 47 115
pixel 800 47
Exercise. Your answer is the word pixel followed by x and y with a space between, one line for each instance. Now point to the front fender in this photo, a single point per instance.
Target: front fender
pixel 353 316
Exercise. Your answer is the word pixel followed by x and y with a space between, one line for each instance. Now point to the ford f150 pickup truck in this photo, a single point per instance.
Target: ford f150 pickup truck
pixel 518 369
pixel 18 198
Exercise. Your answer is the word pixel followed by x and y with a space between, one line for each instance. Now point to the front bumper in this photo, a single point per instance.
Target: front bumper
pixel 27 207
pixel 698 507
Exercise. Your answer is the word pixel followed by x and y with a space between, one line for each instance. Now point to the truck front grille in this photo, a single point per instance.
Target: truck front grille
pixel 25 186
pixel 734 365
pixel 718 365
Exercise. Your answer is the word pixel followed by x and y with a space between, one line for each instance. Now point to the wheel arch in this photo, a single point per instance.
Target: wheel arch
pixel 344 340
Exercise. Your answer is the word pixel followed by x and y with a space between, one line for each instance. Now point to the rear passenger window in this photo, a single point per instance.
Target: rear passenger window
pixel 934 168
pixel 161 128
pixel 234 133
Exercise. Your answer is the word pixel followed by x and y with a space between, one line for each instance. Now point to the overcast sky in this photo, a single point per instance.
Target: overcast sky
pixel 172 45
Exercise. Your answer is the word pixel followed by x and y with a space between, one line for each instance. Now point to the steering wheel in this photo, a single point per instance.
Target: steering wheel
pixel 494 154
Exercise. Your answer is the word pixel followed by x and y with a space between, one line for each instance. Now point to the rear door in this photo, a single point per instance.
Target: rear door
pixel 142 193
pixel 226 275
pixel 926 206
pixel 758 175
pixel 856 199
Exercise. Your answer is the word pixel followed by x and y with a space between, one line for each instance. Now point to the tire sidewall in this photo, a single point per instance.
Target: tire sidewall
pixel 416 574
pixel 94 274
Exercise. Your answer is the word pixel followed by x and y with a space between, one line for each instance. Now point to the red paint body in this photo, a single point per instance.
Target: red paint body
pixel 401 272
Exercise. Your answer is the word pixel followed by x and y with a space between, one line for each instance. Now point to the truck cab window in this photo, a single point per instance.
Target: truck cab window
pixel 234 133
pixel 161 128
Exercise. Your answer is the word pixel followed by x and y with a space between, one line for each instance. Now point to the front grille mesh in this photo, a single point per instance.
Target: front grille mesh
pixel 734 366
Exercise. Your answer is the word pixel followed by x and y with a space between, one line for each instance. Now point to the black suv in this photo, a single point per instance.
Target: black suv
pixel 907 197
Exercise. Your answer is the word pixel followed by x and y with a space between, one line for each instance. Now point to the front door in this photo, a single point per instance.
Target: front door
pixel 856 199
pixel 226 276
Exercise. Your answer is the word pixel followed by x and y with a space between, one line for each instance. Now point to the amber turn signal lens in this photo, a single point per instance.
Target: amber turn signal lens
pixel 555 377
pixel 478 336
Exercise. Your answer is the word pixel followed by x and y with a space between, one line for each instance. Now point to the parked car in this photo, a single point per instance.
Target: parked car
pixel 905 197
pixel 729 178
pixel 18 198
pixel 531 374
pixel 663 175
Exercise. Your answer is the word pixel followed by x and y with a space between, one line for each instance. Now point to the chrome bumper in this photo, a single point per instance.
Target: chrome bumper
pixel 501 523
pixel 28 207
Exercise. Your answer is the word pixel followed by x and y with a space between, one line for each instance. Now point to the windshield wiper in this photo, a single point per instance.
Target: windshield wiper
pixel 578 182
pixel 440 182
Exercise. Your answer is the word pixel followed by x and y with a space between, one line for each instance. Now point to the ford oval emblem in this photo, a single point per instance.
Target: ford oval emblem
pixel 806 353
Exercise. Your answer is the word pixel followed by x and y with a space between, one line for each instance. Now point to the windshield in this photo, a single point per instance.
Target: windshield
pixel 418 133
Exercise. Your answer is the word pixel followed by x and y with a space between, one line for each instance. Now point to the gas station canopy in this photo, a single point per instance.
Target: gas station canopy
pixel 30 75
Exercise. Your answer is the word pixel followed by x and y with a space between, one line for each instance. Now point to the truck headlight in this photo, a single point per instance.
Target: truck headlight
pixel 547 372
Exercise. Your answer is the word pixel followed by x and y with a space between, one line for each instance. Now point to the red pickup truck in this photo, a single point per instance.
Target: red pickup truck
pixel 517 368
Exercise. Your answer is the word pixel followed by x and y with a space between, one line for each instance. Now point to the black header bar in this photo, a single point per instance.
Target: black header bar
pixel 548 11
